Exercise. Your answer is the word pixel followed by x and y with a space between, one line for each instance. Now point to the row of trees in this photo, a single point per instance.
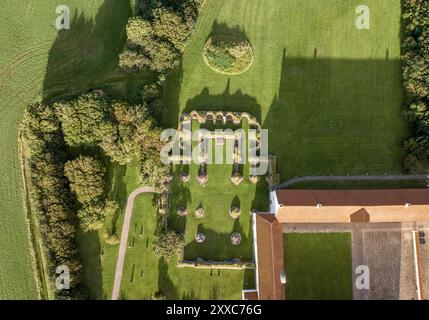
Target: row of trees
pixel 415 62
pixel 157 38
pixel 45 150
pixel 68 191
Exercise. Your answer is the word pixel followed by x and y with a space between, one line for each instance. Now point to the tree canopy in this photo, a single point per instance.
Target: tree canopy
pixel 83 120
pixel 415 64
pixel 86 176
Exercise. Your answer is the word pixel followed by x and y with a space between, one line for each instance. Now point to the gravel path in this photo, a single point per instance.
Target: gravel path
pixel 351 178
pixel 124 238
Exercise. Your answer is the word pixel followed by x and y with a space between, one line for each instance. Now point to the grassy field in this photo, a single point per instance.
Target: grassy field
pixel 216 197
pixel 318 266
pixel 37 61
pixel 145 274
pixel 329 94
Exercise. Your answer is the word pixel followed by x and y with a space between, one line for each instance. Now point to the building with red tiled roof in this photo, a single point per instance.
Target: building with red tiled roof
pixel 269 257
pixel 323 206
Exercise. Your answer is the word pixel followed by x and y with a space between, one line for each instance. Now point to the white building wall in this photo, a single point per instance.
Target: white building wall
pixel 274 204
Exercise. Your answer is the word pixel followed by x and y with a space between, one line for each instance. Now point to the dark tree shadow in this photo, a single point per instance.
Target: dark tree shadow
pixel 171 96
pixel 165 284
pixel 337 116
pixel 217 246
pixel 180 199
pixel 86 56
pixel 222 28
pixel 90 254
pixel 226 101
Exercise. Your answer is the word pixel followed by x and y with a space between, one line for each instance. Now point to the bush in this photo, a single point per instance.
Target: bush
pixel 167 244
pixel 86 176
pixel 415 64
pixel 228 54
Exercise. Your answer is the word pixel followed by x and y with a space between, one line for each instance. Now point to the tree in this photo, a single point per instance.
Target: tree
pixel 157 40
pixel 415 71
pixel 170 25
pixel 92 215
pixel 84 120
pixel 167 243
pixel 155 174
pixel 133 128
pixel 86 176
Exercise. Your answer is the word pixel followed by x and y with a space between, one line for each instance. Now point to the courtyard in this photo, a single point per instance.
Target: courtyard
pixel 385 248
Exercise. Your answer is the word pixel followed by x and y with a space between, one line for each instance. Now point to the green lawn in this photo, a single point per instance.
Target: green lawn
pixel 27 36
pixel 318 266
pixel 216 197
pixel 38 61
pixel 329 94
pixel 145 274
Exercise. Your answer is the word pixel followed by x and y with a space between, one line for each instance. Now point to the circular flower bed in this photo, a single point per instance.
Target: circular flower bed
pixel 235 238
pixel 237 178
pixel 181 212
pixel 199 213
pixel 202 178
pixel 254 179
pixel 234 212
pixel 228 54
pixel 200 237
pixel 184 177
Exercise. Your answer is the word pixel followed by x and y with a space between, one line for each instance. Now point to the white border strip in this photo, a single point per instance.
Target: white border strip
pixel 416 265
pixel 255 250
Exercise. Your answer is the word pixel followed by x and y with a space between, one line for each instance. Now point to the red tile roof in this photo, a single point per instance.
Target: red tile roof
pixel 367 197
pixel 269 239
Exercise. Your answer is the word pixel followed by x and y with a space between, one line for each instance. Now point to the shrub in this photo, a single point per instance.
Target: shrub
pixel 415 70
pixel 167 244
pixel 228 54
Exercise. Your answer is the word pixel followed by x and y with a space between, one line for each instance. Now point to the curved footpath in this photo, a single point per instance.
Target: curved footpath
pixel 351 178
pixel 124 238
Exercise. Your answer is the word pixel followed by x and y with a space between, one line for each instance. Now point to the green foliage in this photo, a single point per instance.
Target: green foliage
pixel 92 215
pixel 45 151
pixel 154 173
pixel 133 128
pixel 167 244
pixel 415 64
pixel 84 120
pixel 86 176
pixel 156 41
pixel 228 54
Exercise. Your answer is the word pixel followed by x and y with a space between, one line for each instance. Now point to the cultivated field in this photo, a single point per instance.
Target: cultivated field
pixel 36 60
pixel 329 94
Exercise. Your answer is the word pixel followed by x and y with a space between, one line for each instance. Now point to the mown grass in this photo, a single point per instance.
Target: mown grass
pixel 38 61
pixel 318 266
pixel 144 274
pixel 329 94
pixel 217 196
pixel 27 34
